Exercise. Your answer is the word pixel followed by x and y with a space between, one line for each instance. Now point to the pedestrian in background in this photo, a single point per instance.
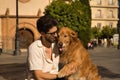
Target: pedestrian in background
pixel 105 42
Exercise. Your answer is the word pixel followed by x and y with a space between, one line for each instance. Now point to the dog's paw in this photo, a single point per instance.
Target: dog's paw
pixel 61 74
pixel 66 71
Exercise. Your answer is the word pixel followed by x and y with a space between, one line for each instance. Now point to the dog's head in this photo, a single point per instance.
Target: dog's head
pixel 66 37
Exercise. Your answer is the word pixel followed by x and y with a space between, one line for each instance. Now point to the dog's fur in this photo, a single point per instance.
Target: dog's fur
pixel 75 57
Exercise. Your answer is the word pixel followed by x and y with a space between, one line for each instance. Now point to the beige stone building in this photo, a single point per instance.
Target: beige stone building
pixel 28 11
pixel 104 13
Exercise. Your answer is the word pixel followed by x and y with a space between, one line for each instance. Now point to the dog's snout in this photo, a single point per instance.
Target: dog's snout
pixel 60 44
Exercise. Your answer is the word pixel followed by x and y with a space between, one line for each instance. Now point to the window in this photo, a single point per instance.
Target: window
pixel 111 25
pixel 99 2
pixel 110 2
pixel 99 25
pixel 110 14
pixel 98 14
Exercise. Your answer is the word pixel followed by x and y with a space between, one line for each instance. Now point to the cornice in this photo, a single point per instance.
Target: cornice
pixel 93 6
pixel 21 16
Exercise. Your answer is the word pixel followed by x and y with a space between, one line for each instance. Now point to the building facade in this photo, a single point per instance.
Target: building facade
pixel 28 12
pixel 104 13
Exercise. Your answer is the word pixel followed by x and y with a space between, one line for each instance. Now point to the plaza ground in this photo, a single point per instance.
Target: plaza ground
pixel 107 60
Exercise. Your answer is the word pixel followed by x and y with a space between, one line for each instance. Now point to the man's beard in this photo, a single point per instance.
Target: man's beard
pixel 51 40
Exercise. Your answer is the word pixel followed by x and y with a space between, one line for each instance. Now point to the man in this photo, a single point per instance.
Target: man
pixel 42 60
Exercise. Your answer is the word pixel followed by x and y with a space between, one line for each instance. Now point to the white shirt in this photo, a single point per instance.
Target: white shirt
pixel 39 61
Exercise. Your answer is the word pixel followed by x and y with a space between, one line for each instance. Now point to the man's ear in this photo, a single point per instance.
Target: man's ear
pixel 42 33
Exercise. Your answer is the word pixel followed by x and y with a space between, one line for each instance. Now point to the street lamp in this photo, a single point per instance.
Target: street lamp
pixel 118 28
pixel 17 47
pixel 119 37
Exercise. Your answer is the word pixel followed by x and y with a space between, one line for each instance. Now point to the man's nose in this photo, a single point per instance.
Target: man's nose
pixel 56 35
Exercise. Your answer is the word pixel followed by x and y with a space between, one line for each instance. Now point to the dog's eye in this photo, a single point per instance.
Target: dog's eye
pixel 65 35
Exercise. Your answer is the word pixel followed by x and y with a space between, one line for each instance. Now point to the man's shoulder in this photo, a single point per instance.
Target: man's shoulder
pixel 36 43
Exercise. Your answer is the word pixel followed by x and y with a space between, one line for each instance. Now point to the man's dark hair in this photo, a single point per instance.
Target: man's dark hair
pixel 45 23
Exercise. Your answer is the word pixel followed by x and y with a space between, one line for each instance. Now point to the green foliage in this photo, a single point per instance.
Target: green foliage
pixel 95 33
pixel 108 32
pixel 113 31
pixel 75 15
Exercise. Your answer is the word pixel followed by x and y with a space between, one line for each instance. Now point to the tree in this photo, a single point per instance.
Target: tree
pixel 76 15
pixel 108 32
pixel 113 31
pixel 95 33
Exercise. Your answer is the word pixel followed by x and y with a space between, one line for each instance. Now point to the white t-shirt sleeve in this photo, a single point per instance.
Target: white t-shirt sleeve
pixel 35 58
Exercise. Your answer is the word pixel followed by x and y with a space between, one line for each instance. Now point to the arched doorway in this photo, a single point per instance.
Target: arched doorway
pixel 26 38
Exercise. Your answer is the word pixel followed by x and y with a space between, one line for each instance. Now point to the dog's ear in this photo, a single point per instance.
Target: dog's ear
pixel 73 34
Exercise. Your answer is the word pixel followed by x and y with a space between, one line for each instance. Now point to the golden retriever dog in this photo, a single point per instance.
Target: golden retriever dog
pixel 75 57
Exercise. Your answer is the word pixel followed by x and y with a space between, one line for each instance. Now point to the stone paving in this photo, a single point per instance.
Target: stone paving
pixel 13 67
pixel 10 58
pixel 107 60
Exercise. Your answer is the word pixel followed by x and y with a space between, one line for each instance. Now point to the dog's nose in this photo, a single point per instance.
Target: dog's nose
pixel 60 44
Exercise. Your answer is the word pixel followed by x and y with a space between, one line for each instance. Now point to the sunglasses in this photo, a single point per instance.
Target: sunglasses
pixel 53 33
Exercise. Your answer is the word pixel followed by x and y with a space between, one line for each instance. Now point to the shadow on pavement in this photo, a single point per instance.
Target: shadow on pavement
pixel 104 72
pixel 13 71
pixel 18 72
